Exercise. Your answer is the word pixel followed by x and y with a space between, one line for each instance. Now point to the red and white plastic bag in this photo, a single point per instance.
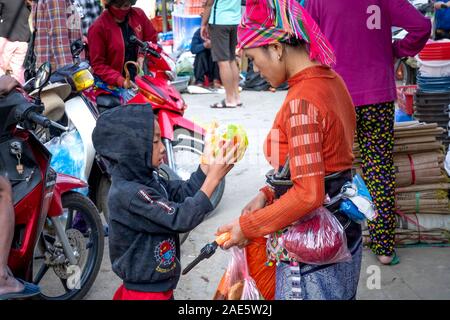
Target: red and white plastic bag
pixel 318 239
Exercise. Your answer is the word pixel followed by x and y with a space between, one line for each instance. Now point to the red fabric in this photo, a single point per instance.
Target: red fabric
pixel 106 45
pixel 124 294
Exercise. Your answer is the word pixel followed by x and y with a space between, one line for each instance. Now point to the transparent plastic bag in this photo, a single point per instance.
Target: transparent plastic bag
pixel 238 283
pixel 317 239
pixel 68 155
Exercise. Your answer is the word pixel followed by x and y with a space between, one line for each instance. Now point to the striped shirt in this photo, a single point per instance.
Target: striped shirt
pixel 58 24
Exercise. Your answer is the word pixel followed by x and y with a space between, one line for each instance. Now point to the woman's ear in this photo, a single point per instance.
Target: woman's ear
pixel 278 50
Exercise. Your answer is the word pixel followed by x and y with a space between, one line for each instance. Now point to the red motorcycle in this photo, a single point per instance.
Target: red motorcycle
pixel 183 139
pixel 56 227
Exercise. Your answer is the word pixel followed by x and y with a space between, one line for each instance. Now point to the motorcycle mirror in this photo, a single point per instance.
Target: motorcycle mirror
pixel 76 47
pixel 43 75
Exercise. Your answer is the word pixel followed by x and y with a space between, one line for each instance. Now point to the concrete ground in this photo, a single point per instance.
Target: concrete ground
pixel 424 273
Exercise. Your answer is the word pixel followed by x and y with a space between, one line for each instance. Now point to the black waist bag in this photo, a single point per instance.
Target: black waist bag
pixel 281 183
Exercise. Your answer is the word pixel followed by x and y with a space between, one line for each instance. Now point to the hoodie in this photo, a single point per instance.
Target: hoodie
pixel 146 213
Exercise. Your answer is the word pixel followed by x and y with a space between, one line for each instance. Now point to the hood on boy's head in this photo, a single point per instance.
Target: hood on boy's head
pixel 124 136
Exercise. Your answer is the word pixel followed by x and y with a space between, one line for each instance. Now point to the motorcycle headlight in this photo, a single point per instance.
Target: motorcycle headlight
pixel 83 80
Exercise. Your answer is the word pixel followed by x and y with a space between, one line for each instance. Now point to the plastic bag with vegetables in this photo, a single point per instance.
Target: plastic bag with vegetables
pixel 218 135
pixel 237 284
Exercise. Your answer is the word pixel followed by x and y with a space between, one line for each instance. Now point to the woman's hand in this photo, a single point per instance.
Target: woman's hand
pixel 237 236
pixel 258 202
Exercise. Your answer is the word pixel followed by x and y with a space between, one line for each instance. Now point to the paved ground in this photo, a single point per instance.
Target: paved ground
pixel 424 273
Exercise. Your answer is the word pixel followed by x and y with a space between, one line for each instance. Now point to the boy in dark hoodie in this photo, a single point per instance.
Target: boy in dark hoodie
pixel 147 214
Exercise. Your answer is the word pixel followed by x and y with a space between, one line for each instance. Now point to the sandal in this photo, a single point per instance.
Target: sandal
pixel 29 290
pixel 222 105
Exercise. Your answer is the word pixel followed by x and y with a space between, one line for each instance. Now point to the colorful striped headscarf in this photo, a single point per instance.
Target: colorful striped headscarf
pixel 267 21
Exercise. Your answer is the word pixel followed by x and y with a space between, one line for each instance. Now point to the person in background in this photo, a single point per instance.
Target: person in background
pixel 109 42
pixel 219 23
pixel 90 10
pixel 14 36
pixel 203 64
pixel 367 66
pixel 442 20
pixel 57 25
pixel 313 132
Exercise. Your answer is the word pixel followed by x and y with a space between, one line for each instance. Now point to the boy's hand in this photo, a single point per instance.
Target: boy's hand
pixel 224 161
pixel 219 166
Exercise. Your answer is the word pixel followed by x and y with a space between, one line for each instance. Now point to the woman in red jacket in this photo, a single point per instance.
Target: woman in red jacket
pixel 109 44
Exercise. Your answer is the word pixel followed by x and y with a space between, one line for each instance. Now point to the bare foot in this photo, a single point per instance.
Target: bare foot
pixel 385 259
pixel 9 284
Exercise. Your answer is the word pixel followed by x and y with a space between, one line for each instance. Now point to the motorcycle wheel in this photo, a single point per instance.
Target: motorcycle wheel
pixel 187 154
pixel 84 229
pixel 403 73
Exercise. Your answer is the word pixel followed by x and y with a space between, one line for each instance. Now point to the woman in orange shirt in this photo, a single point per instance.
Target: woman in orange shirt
pixel 314 129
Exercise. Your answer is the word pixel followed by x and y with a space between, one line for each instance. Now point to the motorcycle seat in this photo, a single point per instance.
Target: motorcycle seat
pixel 106 101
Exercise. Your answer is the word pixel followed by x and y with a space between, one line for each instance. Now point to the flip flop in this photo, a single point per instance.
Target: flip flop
pixel 240 104
pixel 395 260
pixel 29 290
pixel 221 105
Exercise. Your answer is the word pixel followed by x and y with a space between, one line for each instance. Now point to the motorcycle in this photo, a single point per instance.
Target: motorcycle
pixel 65 103
pixel 55 227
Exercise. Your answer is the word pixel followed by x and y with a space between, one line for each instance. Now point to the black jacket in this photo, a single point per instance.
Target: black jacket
pixel 197 45
pixel 146 213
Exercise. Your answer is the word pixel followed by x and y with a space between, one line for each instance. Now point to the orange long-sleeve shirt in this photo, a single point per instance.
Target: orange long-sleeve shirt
pixel 315 127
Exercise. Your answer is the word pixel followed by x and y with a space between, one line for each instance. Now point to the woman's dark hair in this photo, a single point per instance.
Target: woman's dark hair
pixel 118 3
pixel 292 42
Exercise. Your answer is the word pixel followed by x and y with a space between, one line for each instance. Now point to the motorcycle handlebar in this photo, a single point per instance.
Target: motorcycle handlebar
pixel 38 119
pixel 144 46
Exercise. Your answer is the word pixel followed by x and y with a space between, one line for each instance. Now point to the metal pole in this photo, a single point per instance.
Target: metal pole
pixel 164 15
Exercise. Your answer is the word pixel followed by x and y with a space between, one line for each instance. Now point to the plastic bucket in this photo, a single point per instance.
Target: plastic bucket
pixel 434 68
pixel 184 27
